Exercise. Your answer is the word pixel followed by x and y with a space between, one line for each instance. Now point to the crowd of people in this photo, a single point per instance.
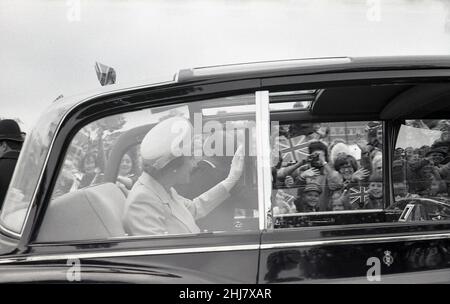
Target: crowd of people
pixel 424 170
pixel 327 178
pixel 331 176
pixel 85 163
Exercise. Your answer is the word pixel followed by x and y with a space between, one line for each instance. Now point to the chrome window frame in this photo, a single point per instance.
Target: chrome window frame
pixel 259 122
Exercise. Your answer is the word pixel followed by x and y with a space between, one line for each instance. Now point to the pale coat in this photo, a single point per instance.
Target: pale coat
pixel 151 210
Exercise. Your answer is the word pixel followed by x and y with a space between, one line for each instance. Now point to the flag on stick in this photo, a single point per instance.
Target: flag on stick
pixel 105 74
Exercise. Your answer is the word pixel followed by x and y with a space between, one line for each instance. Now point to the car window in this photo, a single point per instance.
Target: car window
pixel 322 171
pixel 162 171
pixel 421 168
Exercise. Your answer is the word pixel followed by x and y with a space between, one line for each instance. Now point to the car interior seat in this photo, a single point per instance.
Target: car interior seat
pixel 90 213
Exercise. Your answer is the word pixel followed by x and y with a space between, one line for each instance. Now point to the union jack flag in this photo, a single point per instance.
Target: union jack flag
pixel 105 74
pixel 294 149
pixel 359 195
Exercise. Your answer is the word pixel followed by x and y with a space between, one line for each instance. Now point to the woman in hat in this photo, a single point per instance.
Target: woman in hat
pixel 153 207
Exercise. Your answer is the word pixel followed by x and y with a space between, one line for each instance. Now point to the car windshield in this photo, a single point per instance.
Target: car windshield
pixel 29 167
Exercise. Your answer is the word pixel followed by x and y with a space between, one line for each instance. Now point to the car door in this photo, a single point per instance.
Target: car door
pixel 73 230
pixel 353 245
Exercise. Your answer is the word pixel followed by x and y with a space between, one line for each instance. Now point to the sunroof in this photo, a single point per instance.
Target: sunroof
pixel 285 106
pixel 291 100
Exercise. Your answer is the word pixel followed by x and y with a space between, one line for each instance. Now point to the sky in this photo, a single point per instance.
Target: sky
pixel 48 48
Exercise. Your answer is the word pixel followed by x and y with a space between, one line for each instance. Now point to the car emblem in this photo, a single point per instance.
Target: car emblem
pixel 388 259
pixel 238 225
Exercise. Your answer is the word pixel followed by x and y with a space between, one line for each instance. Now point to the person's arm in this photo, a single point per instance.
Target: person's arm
pixel 445 170
pixel 206 202
pixel 334 180
pixel 286 171
pixel 126 181
pixel 360 175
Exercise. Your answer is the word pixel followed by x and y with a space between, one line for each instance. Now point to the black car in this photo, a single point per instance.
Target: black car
pixel 345 178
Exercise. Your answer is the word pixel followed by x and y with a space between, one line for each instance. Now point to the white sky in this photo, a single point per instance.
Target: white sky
pixel 44 53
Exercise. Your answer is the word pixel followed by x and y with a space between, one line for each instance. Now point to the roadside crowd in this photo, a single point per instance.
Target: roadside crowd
pixel 332 179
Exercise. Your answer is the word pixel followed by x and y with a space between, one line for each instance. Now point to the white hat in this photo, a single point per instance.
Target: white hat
pixel 337 149
pixel 166 141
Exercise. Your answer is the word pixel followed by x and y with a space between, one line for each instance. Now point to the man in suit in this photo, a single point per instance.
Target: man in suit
pixel 10 144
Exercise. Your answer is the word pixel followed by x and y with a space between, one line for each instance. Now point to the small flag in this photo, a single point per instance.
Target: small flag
pixel 105 74
pixel 294 149
pixel 359 195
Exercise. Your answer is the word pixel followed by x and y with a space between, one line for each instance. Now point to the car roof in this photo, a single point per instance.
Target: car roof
pixel 267 69
pixel 311 66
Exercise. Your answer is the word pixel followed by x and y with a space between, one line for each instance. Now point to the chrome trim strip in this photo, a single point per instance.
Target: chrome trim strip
pixel 128 253
pixel 263 155
pixel 420 237
pixel 12 233
pixel 267 65
pixel 19 235
pixel 328 212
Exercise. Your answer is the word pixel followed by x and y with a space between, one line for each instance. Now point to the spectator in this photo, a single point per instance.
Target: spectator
pixel 374 136
pixel 350 177
pixel 375 200
pixel 10 144
pixel 409 151
pixel 347 167
pixel 308 200
pixel 91 170
pixel 339 201
pixel 423 151
pixel 436 155
pixel 425 179
pixel 399 178
pixel 126 177
pixel 399 154
pixel 87 167
pixel 377 164
pixel 318 171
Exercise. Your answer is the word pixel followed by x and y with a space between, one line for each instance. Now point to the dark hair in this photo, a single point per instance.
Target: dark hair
pixel 14 145
pixel 345 160
pixel 132 154
pixel 83 160
pixel 318 146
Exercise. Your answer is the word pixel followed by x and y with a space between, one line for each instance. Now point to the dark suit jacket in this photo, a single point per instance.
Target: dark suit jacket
pixel 7 164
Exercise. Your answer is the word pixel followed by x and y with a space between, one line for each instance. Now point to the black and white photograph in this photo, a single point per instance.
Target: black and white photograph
pixel 235 143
